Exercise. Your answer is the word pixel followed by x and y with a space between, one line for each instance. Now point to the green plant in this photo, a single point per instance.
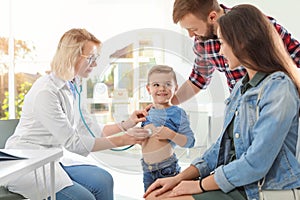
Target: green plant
pixel 23 51
pixel 19 100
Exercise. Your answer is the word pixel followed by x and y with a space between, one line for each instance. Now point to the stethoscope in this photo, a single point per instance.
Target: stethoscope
pixel 73 87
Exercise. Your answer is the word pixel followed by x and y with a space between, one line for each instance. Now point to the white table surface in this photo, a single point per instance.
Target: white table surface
pixel 12 169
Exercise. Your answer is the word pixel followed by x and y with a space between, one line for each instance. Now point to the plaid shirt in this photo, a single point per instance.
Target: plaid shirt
pixel 208 58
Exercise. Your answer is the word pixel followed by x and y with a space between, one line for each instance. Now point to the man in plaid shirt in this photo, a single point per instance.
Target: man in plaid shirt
pixel 199 18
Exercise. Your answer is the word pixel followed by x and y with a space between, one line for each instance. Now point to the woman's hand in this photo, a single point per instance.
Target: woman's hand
pixel 185 187
pixel 162 185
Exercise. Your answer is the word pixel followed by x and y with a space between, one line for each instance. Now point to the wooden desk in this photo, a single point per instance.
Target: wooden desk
pixel 36 158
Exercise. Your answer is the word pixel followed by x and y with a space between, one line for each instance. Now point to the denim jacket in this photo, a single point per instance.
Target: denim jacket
pixel 265 145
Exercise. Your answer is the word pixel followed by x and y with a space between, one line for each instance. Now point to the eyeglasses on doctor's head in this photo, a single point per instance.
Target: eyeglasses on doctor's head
pixel 91 58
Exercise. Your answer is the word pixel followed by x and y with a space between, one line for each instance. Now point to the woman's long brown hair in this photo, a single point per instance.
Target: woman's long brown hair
pixel 254 39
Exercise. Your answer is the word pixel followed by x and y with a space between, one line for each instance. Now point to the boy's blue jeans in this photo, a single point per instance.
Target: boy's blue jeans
pixel 166 168
pixel 90 183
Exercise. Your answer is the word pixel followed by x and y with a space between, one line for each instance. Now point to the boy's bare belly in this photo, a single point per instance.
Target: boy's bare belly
pixel 155 150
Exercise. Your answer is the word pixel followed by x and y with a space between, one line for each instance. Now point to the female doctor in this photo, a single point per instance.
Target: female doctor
pixel 51 119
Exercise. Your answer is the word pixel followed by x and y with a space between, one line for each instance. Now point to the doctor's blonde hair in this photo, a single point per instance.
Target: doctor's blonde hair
pixel 69 49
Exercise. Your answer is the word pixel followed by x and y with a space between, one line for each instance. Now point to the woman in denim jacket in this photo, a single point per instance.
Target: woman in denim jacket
pixel 260 130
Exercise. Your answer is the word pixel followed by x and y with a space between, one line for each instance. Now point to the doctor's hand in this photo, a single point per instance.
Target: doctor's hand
pixel 136 117
pixel 136 138
pixel 138 133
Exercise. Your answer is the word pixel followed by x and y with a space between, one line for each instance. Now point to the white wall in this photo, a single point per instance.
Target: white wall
pixel 45 21
pixel 285 12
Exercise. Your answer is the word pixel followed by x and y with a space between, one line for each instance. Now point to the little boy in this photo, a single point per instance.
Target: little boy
pixel 169 126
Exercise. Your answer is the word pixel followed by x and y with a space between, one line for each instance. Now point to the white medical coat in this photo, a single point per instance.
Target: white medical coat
pixel 50 119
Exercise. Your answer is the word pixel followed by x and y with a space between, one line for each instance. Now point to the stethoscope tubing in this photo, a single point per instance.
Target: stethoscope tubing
pixel 84 122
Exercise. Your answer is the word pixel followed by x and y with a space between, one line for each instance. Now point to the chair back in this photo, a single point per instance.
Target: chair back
pixel 7 128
